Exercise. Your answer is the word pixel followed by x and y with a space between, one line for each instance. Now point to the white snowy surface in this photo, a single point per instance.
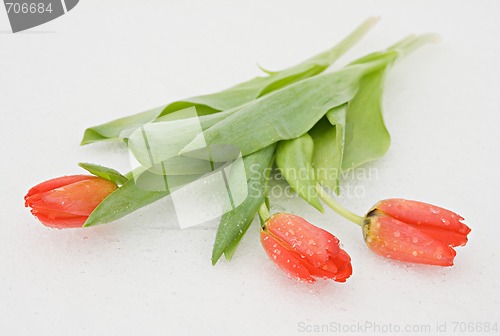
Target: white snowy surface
pixel 144 275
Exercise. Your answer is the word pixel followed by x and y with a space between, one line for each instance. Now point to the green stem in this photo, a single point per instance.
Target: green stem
pixel 264 213
pixel 338 208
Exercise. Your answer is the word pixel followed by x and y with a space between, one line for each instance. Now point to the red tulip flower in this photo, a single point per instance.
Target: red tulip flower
pixel 66 202
pixel 414 232
pixel 303 250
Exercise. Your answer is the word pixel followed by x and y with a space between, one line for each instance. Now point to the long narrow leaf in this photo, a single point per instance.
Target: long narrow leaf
pixel 328 136
pixel 155 145
pixel 366 137
pixel 113 129
pixel 236 95
pixel 294 159
pixel 234 224
pixel 284 114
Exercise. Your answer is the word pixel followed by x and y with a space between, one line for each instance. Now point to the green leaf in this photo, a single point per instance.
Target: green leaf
pixel 155 145
pixel 123 201
pixel 146 186
pixel 328 136
pixel 317 63
pixel 284 114
pixel 113 129
pixel 366 137
pixel 109 174
pixel 326 155
pixel 294 159
pixel 365 120
pixel 231 249
pixel 236 95
pixel 336 116
pixel 235 223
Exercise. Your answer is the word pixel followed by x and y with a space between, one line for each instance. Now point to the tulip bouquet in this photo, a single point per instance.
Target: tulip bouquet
pixel 309 123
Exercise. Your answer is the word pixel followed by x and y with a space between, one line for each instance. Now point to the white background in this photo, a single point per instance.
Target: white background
pixel 143 275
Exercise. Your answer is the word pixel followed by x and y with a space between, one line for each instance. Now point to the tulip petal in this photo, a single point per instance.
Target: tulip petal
pixel 56 183
pixel 289 261
pixel 394 239
pixel 54 214
pixel 447 237
pixel 423 214
pixel 66 202
pixel 313 249
pixel 337 269
pixel 315 244
pixel 79 198
pixel 61 223
pixel 344 273
pixel 343 262
pixel 328 270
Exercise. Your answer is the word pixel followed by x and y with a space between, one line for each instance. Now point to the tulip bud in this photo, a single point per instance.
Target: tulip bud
pixel 304 251
pixel 414 232
pixel 66 202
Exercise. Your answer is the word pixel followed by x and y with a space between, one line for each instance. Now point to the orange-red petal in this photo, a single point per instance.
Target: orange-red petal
pixel 337 269
pixel 447 237
pixel 312 242
pixel 394 239
pixel 61 222
pixel 79 198
pixel 423 214
pixel 56 183
pixel 290 262
pixel 67 201
pixel 303 250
